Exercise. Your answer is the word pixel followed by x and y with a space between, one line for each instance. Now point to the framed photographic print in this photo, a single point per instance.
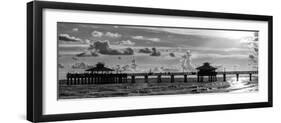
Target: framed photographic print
pixel 89 61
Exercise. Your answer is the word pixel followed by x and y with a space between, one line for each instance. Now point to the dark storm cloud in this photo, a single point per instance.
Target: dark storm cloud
pixel 68 38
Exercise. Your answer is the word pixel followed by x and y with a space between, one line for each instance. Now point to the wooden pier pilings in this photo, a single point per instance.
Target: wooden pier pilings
pixel 146 78
pixel 159 79
pixel 237 76
pixel 172 78
pixel 250 76
pixel 133 79
pixel 185 78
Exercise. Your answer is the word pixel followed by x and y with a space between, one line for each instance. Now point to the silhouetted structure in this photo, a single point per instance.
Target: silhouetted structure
pixel 98 75
pixel 206 70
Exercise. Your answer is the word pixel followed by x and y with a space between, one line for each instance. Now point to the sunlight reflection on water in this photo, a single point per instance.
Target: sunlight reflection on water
pixel 242 85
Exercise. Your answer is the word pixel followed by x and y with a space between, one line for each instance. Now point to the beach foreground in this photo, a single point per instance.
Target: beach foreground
pixel 152 88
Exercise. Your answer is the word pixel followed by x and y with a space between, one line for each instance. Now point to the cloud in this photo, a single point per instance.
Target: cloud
pixel 146 38
pixel 172 54
pixel 154 39
pixel 128 51
pixel 107 34
pixel 75 29
pixel 152 51
pixel 112 35
pixel 103 47
pixel 80 65
pixel 127 43
pixel 88 53
pixel 223 51
pixel 67 37
pixel 145 50
pixel 214 56
pixel 60 65
pixel 89 26
pixel 155 52
pixel 249 40
pixel 230 34
pixel 97 34
pixel 87 41
pixel 168 69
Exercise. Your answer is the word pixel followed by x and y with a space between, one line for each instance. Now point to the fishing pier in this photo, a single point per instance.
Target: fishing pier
pixel 103 75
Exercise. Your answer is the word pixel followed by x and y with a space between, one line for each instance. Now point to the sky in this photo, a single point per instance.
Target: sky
pixel 228 48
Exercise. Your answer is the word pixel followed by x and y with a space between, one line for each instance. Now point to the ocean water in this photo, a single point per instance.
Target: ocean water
pixel 243 84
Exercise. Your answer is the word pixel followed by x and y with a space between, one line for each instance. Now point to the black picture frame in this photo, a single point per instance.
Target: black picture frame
pixel 34 60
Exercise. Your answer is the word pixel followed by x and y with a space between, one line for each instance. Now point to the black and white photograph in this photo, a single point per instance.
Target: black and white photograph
pixel 91 61
pixel 96 60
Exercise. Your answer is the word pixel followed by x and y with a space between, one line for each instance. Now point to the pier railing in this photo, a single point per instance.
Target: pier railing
pixel 192 73
pixel 88 78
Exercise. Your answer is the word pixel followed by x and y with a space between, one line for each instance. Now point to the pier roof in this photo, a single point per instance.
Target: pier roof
pixel 99 67
pixel 206 66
